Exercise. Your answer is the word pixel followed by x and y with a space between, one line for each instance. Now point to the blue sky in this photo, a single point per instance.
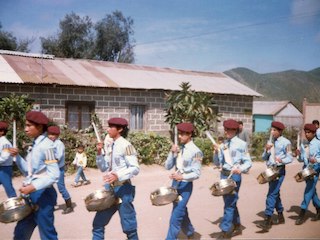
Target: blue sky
pixel 201 35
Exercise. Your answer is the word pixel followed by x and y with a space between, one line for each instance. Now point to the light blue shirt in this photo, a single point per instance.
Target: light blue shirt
pixel 5 157
pixel 44 167
pixel 282 149
pixel 191 162
pixel 59 151
pixel 318 133
pixel 122 160
pixel 238 152
pixel 314 151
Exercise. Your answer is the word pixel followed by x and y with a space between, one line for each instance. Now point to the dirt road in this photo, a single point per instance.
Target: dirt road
pixel 205 210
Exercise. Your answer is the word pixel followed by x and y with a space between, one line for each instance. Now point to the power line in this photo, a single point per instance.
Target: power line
pixel 274 21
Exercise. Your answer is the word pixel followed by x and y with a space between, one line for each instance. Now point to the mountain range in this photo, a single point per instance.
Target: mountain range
pixel 291 85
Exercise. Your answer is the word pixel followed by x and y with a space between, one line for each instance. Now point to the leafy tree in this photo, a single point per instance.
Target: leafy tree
pixel 107 40
pixel 113 42
pixel 190 106
pixel 9 42
pixel 74 40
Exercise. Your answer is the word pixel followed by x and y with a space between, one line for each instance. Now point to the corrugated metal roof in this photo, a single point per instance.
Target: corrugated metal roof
pixel 268 107
pixel 30 69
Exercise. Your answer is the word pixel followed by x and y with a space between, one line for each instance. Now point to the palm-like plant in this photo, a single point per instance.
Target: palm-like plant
pixel 190 106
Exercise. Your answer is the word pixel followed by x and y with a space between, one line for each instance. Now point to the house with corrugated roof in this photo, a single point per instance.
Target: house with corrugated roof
pixel 69 90
pixel 264 112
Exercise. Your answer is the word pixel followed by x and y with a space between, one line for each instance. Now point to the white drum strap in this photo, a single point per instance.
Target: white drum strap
pixel 227 156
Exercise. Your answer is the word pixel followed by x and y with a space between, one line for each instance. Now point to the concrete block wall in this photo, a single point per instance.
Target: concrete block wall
pixel 116 103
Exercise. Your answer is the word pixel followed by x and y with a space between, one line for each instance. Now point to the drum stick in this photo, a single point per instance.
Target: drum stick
pixel 14 137
pixel 210 137
pixel 175 139
pixel 298 140
pixel 97 135
pixel 270 138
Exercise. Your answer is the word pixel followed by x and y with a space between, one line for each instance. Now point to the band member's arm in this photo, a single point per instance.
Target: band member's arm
pixel 133 168
pixel 22 165
pixel 218 157
pixel 59 151
pixel 171 159
pixel 4 153
pixel 286 157
pixel 51 173
pixel 102 161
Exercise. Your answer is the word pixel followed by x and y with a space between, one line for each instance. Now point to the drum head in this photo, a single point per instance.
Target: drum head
pixel 100 200
pixel 13 210
pixel 163 196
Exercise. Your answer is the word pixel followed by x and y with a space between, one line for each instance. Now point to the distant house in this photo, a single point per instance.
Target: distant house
pixel 69 90
pixel 311 111
pixel 264 112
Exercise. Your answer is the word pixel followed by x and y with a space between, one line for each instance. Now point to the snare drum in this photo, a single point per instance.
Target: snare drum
pixel 14 209
pixel 268 175
pixel 163 196
pixel 223 187
pixel 305 174
pixel 100 200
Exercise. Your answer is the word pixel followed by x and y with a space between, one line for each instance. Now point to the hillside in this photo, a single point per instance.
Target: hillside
pixel 289 85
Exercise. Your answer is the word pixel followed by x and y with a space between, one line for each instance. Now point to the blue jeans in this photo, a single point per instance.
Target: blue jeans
pixel 126 210
pixel 43 217
pixel 231 213
pixel 6 181
pixel 310 192
pixel 179 216
pixel 273 197
pixel 61 185
pixel 79 174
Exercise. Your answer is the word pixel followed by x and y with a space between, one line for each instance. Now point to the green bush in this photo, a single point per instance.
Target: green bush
pixel 205 146
pixel 72 140
pixel 151 147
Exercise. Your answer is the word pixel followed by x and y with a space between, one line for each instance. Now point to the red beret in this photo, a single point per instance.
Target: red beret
pixel 310 127
pixel 118 121
pixel 3 125
pixel 231 124
pixel 185 127
pixel 278 125
pixel 54 130
pixel 37 117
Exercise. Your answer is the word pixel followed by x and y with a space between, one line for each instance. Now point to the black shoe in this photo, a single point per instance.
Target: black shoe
pixel 301 219
pixel 266 224
pixel 224 235
pixel 317 217
pixel 67 210
pixel 237 230
pixel 281 218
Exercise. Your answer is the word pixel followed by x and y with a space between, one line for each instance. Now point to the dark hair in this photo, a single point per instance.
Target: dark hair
pixel 240 122
pixel 125 129
pixel 80 146
pixel 315 122
pixel 4 130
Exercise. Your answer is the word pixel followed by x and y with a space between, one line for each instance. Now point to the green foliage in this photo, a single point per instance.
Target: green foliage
pixel 72 140
pixel 190 106
pixel 14 107
pixel 9 42
pixel 113 41
pixel 151 147
pixel 205 146
pixel 108 40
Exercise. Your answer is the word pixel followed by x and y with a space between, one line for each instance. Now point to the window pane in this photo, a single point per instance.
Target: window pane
pixel 79 114
pixel 85 117
pixel 136 117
